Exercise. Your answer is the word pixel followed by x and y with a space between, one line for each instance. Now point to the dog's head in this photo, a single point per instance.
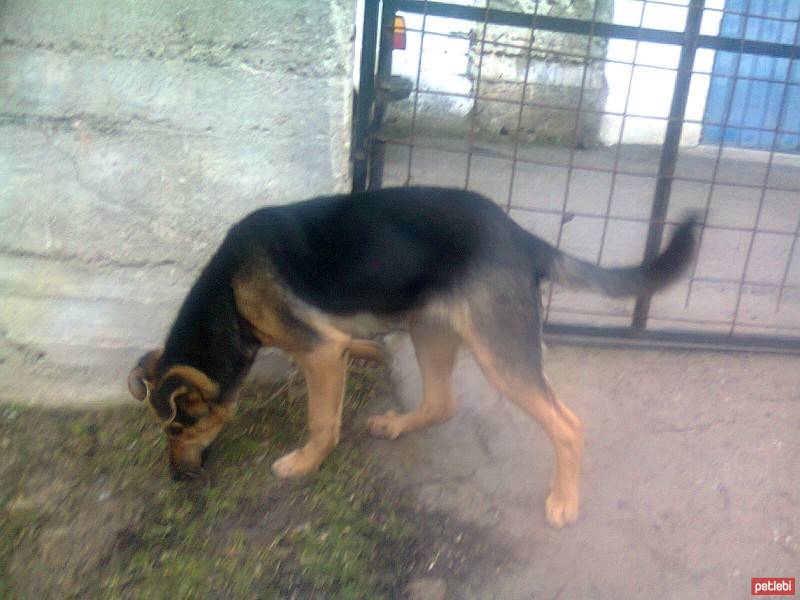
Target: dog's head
pixel 186 404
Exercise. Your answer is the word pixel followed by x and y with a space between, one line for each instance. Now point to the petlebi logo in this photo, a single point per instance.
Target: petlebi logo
pixel 772 586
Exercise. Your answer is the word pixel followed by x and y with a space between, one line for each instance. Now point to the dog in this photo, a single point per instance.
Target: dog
pixel 323 278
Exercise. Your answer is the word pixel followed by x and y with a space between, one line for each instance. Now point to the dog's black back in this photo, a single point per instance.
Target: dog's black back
pixel 385 251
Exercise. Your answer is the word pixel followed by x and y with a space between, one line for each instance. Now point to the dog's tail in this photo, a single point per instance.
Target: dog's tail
pixel 628 281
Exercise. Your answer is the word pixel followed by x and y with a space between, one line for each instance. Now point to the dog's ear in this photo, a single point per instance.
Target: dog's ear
pixel 137 384
pixel 185 386
pixel 164 401
pixel 142 375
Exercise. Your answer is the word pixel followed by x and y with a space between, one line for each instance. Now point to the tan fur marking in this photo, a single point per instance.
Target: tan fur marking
pixel 436 346
pixel 143 374
pixel 257 295
pixel 172 404
pixel 561 425
pixel 325 370
pixel 198 379
pixel 331 333
pixel 368 350
pixel 137 383
pixel 186 448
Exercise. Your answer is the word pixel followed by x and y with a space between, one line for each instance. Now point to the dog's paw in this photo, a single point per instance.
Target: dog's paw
pixel 386 426
pixel 561 512
pixel 293 465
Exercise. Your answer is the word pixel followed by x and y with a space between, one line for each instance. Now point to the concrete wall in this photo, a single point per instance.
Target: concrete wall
pixel 132 134
pixel 556 83
pixel 643 87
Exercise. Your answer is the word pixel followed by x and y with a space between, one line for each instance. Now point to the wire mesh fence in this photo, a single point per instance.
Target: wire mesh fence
pixel 598 124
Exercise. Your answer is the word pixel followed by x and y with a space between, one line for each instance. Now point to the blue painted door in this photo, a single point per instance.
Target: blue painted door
pixel 757 96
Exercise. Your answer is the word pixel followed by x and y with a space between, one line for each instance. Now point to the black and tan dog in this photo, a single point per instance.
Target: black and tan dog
pixel 319 278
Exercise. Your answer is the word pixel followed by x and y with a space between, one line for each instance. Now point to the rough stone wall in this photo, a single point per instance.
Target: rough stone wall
pixel 555 76
pixel 496 69
pixel 132 134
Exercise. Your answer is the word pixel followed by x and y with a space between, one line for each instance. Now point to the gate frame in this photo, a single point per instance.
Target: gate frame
pixel 367 153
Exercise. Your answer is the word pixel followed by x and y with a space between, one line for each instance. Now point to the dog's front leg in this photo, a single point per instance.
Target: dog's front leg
pixel 325 370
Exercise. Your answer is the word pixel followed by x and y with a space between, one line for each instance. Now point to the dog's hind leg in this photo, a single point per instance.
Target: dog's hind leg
pixel 325 370
pixel 532 394
pixel 436 346
pixel 368 350
pixel 502 328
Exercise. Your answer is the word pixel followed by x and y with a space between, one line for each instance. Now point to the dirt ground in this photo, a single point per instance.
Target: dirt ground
pixel 689 485
pixel 689 489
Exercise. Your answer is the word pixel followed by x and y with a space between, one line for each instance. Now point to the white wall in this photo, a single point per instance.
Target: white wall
pixel 643 87
pixel 445 61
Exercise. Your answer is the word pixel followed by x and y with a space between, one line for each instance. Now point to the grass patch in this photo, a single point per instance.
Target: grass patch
pixel 14 528
pixel 88 510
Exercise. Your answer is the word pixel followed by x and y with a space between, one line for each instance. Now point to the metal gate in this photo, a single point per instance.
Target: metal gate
pixel 586 128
